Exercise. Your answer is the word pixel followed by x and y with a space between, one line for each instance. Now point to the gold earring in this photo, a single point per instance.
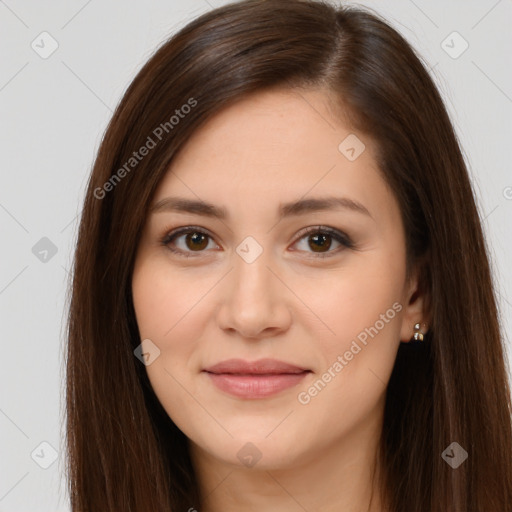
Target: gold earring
pixel 418 332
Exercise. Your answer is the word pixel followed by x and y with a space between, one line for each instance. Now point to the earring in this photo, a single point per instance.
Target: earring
pixel 418 332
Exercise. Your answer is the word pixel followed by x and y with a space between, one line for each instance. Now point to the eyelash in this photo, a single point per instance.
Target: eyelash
pixel 339 236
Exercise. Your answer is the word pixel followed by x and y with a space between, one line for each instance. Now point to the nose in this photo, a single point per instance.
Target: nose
pixel 254 301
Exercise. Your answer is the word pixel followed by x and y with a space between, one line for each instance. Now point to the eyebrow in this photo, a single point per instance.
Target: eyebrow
pixel 300 207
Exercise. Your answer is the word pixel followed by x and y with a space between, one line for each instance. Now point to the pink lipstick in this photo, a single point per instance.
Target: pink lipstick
pixel 255 379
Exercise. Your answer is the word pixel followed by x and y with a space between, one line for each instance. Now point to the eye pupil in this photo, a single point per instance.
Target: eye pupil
pixel 195 237
pixel 323 241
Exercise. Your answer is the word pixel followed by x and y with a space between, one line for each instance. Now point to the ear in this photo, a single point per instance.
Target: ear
pixel 415 306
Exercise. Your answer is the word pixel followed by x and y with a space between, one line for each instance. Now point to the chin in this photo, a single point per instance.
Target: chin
pixel 256 451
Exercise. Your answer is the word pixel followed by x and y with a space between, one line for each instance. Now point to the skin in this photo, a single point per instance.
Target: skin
pixel 277 146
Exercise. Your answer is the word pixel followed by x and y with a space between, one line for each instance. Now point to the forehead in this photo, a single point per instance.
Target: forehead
pixel 274 146
pixel 273 126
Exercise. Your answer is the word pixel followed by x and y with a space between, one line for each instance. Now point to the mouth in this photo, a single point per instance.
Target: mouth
pixel 255 379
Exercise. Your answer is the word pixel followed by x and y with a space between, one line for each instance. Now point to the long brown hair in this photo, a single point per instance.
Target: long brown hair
pixel 123 451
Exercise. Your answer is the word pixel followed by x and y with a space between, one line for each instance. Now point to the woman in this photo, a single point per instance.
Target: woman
pixel 281 296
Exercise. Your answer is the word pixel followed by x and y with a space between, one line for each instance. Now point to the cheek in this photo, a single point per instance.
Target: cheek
pixel 162 310
pixel 172 308
pixel 164 299
pixel 352 298
pixel 361 305
pixel 168 308
pixel 350 385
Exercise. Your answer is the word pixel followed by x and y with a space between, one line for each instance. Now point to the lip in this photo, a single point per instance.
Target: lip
pixel 255 379
pixel 259 367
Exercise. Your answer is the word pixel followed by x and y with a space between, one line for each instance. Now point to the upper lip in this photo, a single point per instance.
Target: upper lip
pixel 259 367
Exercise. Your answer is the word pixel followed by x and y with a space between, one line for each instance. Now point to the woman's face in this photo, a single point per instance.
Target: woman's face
pixel 266 272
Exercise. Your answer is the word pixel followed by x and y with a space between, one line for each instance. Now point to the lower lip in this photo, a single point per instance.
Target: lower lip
pixel 255 386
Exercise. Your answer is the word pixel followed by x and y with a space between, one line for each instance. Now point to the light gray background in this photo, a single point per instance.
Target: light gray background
pixel 53 113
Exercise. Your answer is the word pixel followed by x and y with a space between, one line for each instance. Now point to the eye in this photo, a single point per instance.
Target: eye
pixel 193 240
pixel 319 239
pixel 189 240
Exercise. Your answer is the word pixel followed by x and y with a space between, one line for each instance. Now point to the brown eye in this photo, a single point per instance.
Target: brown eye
pixel 189 240
pixel 196 241
pixel 186 241
pixel 320 240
